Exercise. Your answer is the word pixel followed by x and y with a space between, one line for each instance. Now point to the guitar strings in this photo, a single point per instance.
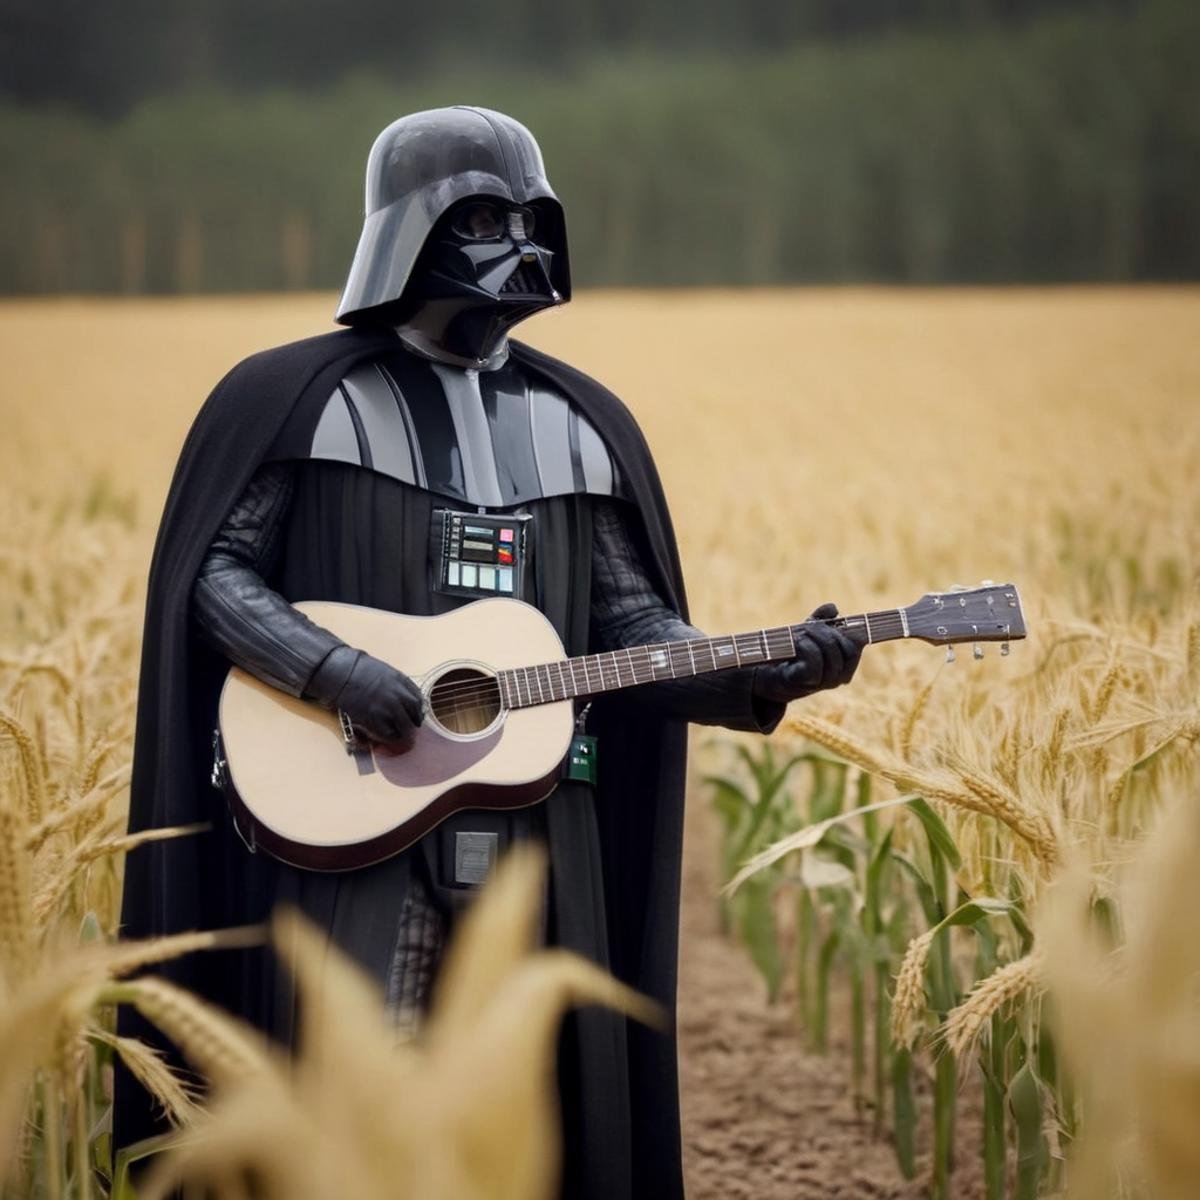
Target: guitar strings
pixel 466 686
pixel 480 689
pixel 885 623
pixel 469 693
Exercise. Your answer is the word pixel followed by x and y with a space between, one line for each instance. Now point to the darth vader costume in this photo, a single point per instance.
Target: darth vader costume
pixel 330 469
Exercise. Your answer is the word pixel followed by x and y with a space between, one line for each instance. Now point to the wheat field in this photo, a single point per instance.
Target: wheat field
pixel 857 445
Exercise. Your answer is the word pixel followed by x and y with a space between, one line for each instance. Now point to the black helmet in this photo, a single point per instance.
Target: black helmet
pixel 428 163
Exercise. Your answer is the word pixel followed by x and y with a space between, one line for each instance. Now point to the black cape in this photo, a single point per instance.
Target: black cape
pixel 193 883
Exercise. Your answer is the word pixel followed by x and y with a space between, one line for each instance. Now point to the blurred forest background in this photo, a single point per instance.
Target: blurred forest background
pixel 214 145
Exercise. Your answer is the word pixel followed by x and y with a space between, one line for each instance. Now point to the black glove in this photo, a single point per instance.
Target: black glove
pixel 825 658
pixel 382 703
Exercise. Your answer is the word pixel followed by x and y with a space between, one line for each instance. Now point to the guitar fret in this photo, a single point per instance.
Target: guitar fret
pixel 766 652
pixel 658 658
pixel 632 668
pixel 503 679
pixel 692 657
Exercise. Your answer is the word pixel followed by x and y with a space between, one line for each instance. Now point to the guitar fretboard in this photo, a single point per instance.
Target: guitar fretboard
pixel 590 674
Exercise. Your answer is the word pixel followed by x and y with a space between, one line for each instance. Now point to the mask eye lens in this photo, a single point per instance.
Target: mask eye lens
pixel 530 218
pixel 479 222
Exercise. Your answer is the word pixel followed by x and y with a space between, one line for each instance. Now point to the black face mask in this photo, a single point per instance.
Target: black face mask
pixel 484 268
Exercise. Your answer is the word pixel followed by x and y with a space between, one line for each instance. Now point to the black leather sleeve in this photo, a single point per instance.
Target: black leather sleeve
pixel 626 610
pixel 248 622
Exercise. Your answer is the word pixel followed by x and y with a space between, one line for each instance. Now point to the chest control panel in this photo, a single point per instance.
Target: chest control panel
pixel 482 554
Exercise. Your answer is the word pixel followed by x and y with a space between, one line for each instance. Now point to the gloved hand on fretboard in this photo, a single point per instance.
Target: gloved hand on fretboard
pixel 825 658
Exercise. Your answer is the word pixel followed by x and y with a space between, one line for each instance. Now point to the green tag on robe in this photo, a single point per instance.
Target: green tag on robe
pixel 581 759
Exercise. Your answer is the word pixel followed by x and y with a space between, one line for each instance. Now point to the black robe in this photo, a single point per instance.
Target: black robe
pixel 356 536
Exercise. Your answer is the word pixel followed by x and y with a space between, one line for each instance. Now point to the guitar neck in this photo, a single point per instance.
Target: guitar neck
pixel 591 674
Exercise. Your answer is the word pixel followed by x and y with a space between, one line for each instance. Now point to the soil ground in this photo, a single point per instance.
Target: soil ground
pixel 763 1118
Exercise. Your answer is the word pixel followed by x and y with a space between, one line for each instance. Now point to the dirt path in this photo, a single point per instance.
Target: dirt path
pixel 763 1118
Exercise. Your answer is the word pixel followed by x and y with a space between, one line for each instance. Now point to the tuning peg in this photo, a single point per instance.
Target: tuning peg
pixel 977 651
pixel 1004 649
pixel 949 654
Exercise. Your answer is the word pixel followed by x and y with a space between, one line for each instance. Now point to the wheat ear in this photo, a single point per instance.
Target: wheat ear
pixel 145 1063
pixel 909 1001
pixel 988 997
pixel 31 763
pixel 223 1048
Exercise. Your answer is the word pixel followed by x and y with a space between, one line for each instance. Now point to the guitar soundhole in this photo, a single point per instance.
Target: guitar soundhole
pixel 465 700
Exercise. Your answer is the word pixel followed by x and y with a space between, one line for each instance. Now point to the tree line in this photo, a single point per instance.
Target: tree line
pixel 107 57
pixel 1065 148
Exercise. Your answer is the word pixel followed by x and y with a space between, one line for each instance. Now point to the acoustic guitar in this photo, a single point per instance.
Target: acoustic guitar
pixel 499 716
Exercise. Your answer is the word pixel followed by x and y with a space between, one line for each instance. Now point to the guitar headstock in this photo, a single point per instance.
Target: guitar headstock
pixel 989 613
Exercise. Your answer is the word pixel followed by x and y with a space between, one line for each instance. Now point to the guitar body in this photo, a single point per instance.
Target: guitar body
pixel 300 793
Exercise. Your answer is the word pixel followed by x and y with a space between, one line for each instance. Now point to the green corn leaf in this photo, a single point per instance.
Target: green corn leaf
pixel 978 909
pixel 801 839
pixel 994 1148
pixel 938 836
pixel 904 1108
pixel 924 889
pixel 730 801
pixel 825 959
pixel 759 933
pixel 1025 1103
pixel 122 1184
pixel 873 892
pixel 769 786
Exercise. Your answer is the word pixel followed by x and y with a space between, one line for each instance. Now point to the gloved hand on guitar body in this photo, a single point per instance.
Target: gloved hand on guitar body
pixel 826 657
pixel 382 703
